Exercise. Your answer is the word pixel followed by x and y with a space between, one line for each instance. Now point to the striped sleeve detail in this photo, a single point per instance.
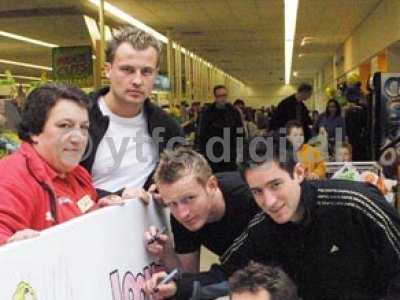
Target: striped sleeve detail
pixel 240 240
pixel 370 209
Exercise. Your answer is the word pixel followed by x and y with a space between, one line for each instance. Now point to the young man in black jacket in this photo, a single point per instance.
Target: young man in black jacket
pixel 203 206
pixel 335 239
pixel 127 131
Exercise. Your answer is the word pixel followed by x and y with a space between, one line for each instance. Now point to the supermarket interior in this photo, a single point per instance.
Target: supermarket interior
pixel 324 75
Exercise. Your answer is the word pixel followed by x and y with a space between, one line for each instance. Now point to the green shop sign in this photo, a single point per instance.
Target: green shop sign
pixel 73 65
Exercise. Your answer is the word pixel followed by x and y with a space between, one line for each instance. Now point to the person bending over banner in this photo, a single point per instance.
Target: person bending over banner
pixel 210 210
pixel 42 184
pixel 337 239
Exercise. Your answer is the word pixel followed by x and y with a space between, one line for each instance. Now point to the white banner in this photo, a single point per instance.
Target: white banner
pixel 99 256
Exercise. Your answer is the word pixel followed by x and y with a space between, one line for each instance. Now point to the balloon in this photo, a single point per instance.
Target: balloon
pixel 330 92
pixel 353 78
pixel 341 100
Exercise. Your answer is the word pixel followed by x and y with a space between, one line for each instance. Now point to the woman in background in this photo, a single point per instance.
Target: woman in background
pixel 334 124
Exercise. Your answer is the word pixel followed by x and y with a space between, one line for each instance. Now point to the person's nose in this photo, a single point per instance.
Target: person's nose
pixel 78 136
pixel 182 211
pixel 137 78
pixel 269 199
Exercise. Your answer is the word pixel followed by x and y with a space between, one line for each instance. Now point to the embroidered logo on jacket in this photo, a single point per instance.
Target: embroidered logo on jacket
pixel 334 249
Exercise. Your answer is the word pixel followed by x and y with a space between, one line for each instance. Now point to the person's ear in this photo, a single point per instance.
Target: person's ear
pixel 212 184
pixel 107 69
pixel 299 172
pixel 34 139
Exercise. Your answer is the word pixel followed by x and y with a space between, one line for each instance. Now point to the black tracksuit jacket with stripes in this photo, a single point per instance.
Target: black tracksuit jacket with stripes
pixel 347 247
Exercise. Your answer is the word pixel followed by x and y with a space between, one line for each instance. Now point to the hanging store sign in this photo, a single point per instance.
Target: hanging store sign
pixel 73 65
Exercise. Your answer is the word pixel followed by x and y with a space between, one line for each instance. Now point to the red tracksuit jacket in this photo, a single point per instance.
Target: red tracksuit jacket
pixel 33 196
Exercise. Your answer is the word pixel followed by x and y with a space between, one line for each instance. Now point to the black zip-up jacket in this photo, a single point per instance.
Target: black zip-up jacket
pixel 347 247
pixel 287 111
pixel 164 130
pixel 225 123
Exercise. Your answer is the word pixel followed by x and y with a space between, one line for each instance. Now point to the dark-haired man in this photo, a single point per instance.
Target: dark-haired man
pixel 336 239
pixel 127 131
pixel 260 282
pixel 220 132
pixel 293 108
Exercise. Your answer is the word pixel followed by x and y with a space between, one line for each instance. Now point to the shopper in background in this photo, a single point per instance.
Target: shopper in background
pixel 246 114
pixel 308 155
pixel 43 184
pixel 127 131
pixel 334 124
pixel 221 132
pixel 191 127
pixel 9 141
pixel 344 153
pixel 315 116
pixel 13 109
pixel 293 108
pixel 260 282
pixel 357 127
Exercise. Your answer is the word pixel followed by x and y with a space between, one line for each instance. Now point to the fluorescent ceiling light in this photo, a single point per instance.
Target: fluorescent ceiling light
pixel 291 7
pixel 16 63
pixel 130 20
pixel 107 33
pixel 21 77
pixel 26 39
pixel 92 28
pixel 307 40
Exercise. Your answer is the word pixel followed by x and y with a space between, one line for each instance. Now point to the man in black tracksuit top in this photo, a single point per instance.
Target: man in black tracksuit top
pixel 207 209
pixel 336 239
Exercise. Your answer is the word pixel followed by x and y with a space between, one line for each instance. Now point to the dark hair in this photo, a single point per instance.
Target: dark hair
pixel 293 124
pixel 239 102
pixel 272 148
pixel 338 109
pixel 40 101
pixel 138 39
pixel 249 114
pixel 255 277
pixel 305 88
pixel 217 87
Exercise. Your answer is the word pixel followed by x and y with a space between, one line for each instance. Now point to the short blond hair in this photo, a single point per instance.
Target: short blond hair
pixel 138 39
pixel 180 162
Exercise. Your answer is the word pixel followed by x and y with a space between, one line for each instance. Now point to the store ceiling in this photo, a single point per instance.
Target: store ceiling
pixel 242 37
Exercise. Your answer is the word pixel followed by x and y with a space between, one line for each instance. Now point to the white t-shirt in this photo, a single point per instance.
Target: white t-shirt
pixel 126 155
